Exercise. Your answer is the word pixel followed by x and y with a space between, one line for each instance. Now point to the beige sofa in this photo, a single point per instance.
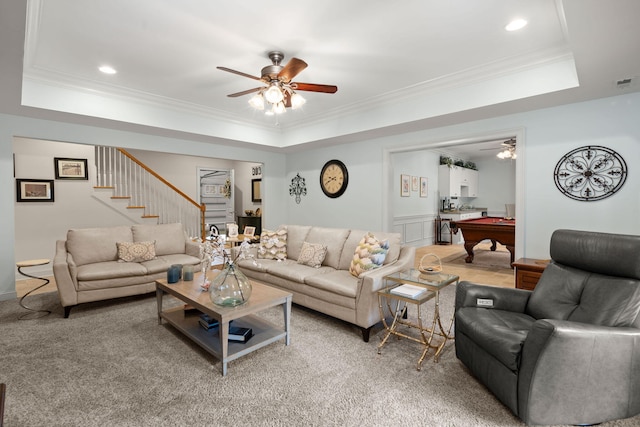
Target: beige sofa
pixel 88 266
pixel 331 288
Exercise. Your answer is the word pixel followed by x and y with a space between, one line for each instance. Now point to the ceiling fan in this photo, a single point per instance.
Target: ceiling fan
pixel 508 149
pixel 278 90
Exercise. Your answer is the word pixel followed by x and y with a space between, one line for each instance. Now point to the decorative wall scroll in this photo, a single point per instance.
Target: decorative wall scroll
pixel 298 187
pixel 590 173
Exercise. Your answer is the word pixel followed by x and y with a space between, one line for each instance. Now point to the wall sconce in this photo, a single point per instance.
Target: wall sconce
pixel 298 187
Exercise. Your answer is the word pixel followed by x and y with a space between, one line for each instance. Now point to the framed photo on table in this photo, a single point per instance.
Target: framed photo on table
pixel 70 168
pixel 249 232
pixel 232 230
pixel 34 190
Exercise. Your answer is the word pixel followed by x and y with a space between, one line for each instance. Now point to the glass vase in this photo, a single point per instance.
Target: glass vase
pixel 230 287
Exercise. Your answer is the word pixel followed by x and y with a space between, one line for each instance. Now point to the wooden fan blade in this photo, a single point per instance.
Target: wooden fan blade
pixel 245 92
pixel 287 99
pixel 240 73
pixel 292 69
pixel 312 87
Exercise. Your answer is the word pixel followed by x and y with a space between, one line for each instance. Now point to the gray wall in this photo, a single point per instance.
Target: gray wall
pixel 546 135
pixel 36 129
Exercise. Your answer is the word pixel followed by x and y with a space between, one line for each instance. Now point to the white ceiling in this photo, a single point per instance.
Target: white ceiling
pixel 399 66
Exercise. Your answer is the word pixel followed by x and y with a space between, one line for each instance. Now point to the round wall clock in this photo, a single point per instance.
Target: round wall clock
pixel 334 178
pixel 590 173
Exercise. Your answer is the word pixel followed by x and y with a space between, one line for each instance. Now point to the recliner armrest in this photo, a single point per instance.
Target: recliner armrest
pixel 564 362
pixel 508 299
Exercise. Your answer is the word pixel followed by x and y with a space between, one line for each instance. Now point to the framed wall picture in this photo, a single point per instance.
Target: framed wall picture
pixel 34 190
pixel 256 190
pixel 424 187
pixel 71 168
pixel 405 185
pixel 414 183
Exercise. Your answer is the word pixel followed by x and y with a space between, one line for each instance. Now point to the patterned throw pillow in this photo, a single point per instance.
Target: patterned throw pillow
pixel 312 254
pixel 370 254
pixel 136 251
pixel 273 244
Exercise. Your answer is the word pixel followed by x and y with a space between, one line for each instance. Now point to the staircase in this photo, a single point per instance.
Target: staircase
pixel 146 196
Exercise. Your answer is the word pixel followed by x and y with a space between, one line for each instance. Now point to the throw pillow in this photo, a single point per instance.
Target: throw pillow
pixel 370 254
pixel 312 254
pixel 273 244
pixel 136 251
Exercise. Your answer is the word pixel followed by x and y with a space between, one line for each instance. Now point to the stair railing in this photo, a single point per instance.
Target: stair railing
pixel 147 190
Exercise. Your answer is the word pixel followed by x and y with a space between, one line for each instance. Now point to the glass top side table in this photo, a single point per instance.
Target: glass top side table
pixel 432 284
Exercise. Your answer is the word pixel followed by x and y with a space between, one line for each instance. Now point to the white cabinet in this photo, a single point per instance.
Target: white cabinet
pixel 469 183
pixel 457 182
pixel 458 239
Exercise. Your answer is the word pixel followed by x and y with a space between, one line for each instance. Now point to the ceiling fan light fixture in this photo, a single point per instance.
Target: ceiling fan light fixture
pixel 279 108
pixel 297 101
pixel 274 95
pixel 509 153
pixel 257 101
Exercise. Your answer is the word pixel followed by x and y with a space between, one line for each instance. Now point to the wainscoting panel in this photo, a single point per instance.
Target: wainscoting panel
pixel 416 230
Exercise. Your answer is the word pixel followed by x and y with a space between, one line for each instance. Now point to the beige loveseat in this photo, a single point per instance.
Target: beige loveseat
pixel 89 265
pixel 330 288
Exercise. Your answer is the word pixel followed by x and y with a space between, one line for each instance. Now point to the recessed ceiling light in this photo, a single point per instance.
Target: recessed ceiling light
pixel 516 24
pixel 107 69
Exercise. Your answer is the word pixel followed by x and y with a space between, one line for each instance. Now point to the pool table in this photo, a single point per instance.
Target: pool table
pixel 494 228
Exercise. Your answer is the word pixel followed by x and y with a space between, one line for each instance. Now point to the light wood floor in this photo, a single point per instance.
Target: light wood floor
pixel 467 272
pixel 503 277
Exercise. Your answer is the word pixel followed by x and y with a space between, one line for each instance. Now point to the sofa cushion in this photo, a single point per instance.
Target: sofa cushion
pixel 136 251
pixel 501 333
pixel 312 254
pixel 333 239
pixel 162 263
pixel 369 254
pixel 291 270
pixel 296 236
pixel 90 245
pixel 354 239
pixel 337 281
pixel 170 238
pixel 273 244
pixel 109 270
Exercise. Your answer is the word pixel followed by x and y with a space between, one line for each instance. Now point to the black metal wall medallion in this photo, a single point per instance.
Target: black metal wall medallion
pixel 590 173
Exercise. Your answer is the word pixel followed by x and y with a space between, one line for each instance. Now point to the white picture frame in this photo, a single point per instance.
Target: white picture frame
pixel 232 230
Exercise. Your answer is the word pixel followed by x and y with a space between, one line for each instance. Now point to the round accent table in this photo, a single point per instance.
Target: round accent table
pixel 34 313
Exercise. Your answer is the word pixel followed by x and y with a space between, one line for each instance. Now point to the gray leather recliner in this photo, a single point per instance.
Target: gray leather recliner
pixel 567 352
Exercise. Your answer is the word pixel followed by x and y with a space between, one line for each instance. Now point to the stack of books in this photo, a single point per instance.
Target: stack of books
pixel 207 321
pixel 407 290
pixel 236 333
pixel 239 334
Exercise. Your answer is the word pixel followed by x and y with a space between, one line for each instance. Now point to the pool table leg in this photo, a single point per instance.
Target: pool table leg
pixel 468 246
pixel 494 245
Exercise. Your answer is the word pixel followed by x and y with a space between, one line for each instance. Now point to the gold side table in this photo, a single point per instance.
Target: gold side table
pixel 34 313
pixel 432 283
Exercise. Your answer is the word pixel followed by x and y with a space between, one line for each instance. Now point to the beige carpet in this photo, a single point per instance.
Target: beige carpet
pixel 111 364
